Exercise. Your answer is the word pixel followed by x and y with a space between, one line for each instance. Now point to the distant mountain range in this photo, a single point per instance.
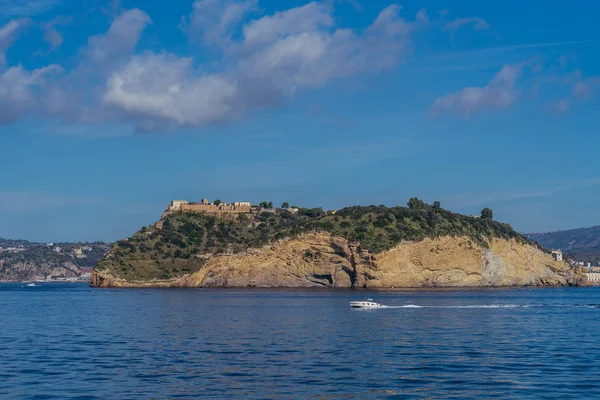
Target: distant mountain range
pixel 579 244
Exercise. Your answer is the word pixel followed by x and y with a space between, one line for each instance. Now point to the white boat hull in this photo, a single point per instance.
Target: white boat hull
pixel 364 304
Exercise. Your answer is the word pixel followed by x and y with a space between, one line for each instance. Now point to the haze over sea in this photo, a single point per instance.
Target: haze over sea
pixel 60 341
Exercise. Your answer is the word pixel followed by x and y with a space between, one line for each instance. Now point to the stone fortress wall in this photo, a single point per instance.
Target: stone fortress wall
pixel 206 206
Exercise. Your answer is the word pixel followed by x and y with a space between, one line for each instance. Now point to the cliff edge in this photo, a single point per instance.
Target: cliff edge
pixel 326 260
pixel 361 247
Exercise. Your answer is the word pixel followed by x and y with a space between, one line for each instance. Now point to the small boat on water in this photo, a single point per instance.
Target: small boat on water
pixel 31 284
pixel 368 303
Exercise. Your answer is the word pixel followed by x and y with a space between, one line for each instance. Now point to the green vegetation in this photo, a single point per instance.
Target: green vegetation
pixel 184 240
pixel 487 214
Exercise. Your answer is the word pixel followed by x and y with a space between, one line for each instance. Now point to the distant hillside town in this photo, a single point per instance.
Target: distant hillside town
pixel 581 244
pixel 592 271
pixel 21 260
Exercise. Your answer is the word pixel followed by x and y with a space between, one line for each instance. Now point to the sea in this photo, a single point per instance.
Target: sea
pixel 70 341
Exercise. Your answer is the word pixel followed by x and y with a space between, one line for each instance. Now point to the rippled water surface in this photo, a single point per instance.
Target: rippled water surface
pixel 69 341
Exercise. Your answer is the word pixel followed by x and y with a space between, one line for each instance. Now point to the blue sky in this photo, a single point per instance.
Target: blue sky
pixel 109 110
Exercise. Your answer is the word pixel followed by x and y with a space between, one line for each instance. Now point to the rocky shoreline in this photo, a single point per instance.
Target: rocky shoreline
pixel 323 260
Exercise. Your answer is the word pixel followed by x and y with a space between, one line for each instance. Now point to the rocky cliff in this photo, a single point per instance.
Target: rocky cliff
pixel 327 260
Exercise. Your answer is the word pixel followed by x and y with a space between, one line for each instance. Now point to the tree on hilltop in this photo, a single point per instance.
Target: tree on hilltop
pixel 285 205
pixel 264 204
pixel 436 205
pixel 416 203
pixel 217 202
pixel 487 214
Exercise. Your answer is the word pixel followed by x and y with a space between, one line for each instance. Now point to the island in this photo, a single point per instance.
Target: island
pixel 215 244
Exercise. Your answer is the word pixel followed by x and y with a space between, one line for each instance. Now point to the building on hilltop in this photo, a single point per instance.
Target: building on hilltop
pixel 557 255
pixel 176 205
pixel 205 206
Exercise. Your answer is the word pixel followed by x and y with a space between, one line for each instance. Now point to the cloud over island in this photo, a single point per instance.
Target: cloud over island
pixel 237 59
pixel 266 60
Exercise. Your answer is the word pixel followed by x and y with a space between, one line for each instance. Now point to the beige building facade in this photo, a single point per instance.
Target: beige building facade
pixel 205 206
pixel 593 278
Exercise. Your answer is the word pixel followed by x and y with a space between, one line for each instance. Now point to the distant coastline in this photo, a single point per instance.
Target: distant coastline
pixel 87 280
pixel 24 261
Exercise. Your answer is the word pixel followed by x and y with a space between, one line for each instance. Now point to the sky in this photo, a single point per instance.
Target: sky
pixel 110 110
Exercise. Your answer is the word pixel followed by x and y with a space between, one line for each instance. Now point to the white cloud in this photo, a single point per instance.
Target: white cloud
pixel 313 17
pixel 26 8
pixel 19 89
pixel 586 87
pixel 52 36
pixel 477 23
pixel 266 61
pixel 164 87
pixel 121 38
pixel 286 57
pixel 215 21
pixel 8 34
pixel 276 56
pixel 582 89
pixel 501 92
pixel 77 97
pixel 422 17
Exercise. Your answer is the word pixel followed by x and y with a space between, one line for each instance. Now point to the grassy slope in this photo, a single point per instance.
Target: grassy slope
pixel 179 246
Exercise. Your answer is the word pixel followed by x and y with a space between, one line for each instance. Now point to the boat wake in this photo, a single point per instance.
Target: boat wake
pixel 492 306
pixel 466 306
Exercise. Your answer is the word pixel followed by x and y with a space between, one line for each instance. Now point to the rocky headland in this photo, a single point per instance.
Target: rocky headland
pixel 357 247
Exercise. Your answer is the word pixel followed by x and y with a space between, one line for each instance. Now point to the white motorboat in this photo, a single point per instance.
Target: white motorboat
pixel 368 303
pixel 31 284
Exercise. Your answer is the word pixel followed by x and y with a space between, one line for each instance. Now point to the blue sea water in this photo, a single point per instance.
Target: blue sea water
pixel 63 341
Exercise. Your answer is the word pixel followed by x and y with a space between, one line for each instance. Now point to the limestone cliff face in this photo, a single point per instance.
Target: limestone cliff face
pixel 323 260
